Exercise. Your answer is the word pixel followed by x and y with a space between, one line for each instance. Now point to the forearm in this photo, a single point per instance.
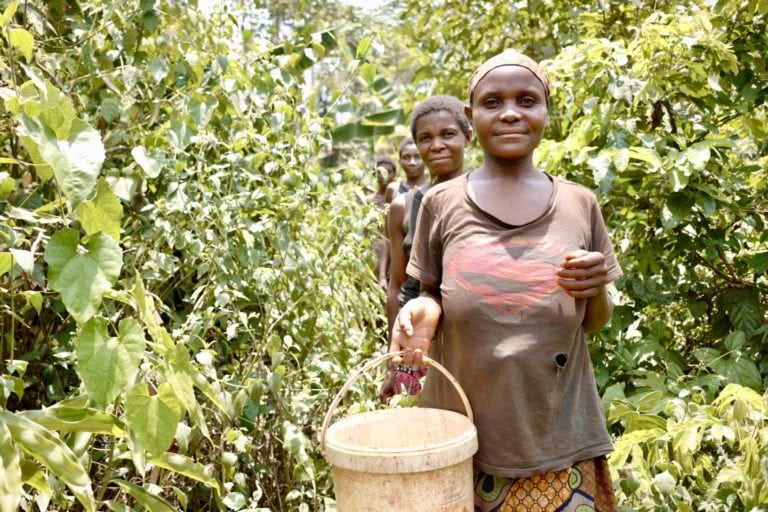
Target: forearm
pixel 598 311
pixel 393 305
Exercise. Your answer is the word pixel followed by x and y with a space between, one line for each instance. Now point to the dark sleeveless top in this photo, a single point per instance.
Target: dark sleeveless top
pixel 411 287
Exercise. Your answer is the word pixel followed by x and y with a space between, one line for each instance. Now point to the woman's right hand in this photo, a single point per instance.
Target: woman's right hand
pixel 414 329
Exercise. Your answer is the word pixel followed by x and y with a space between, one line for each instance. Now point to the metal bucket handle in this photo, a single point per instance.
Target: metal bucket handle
pixel 372 363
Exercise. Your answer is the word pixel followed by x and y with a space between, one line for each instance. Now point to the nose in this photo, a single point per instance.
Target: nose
pixel 437 143
pixel 509 112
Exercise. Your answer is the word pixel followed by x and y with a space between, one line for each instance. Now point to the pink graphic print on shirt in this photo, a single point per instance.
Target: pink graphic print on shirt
pixel 513 278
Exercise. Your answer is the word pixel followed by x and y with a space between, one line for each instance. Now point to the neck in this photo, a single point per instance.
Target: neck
pixel 415 182
pixel 445 177
pixel 519 168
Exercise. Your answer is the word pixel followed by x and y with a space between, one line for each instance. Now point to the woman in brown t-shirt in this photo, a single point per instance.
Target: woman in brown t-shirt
pixel 514 265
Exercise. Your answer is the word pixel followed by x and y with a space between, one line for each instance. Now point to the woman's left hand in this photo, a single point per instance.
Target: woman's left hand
pixel 582 274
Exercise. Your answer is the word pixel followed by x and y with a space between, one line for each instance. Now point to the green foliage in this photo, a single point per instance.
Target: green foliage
pixel 700 457
pixel 183 286
pixel 179 296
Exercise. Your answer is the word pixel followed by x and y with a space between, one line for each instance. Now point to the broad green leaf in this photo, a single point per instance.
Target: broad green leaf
pixel 698 155
pixel 180 134
pixel 759 262
pixel 6 262
pixel 73 419
pixel 148 500
pixel 42 169
pixel 43 445
pixel 57 111
pixel 82 279
pixel 103 213
pixel 184 465
pixel 34 299
pixel 158 68
pixel 76 160
pixel 649 401
pixel 738 370
pixel 10 472
pixel 7 185
pixel 621 159
pixel 386 118
pixel 149 164
pixel 22 41
pixel 368 72
pixel 153 418
pixel 61 248
pixel 646 155
pixel 744 309
pixel 735 341
pixel 24 259
pixel 110 109
pixel 179 375
pixel 106 363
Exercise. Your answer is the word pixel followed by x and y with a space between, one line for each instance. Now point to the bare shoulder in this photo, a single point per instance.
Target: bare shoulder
pixel 397 206
pixel 391 192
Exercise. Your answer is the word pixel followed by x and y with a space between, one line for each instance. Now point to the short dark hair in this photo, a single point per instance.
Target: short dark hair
pixel 386 160
pixel 405 141
pixel 440 103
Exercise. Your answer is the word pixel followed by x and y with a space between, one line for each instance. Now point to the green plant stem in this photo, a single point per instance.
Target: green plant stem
pixel 107 470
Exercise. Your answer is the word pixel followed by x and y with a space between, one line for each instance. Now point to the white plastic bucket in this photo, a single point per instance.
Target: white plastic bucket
pixel 405 460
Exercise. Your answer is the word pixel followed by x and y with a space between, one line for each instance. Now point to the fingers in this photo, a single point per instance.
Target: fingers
pixel 582 274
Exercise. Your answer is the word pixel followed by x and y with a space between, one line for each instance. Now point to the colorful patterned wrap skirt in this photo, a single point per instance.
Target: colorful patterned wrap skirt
pixel 584 487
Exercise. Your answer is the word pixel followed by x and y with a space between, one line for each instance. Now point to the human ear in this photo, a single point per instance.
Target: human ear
pixel 468 112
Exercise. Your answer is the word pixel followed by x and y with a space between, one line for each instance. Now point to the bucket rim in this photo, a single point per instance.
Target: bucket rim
pixel 467 435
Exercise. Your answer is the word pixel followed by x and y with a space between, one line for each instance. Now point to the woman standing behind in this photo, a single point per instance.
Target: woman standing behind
pixel 441 131
pixel 514 265
pixel 413 167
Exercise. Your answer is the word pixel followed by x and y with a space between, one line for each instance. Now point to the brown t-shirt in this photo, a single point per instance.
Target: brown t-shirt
pixel 510 335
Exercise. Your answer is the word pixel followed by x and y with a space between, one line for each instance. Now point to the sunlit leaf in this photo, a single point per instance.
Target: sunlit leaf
pixel 51 452
pixel 75 419
pixel 184 465
pixel 106 363
pixel 148 500
pixel 22 41
pixel 103 213
pixel 10 472
pixel 153 418
pixel 82 279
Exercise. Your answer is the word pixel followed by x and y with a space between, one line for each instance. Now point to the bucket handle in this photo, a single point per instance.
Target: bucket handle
pixel 372 363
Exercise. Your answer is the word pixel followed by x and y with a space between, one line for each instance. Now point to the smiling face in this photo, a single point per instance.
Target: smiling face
pixel 509 112
pixel 441 143
pixel 411 162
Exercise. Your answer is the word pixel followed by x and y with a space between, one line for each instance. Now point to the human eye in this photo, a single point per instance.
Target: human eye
pixel 490 102
pixel 527 101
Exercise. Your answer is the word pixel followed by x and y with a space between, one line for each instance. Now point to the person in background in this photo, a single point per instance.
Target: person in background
pixel 385 170
pixel 515 266
pixel 441 131
pixel 413 167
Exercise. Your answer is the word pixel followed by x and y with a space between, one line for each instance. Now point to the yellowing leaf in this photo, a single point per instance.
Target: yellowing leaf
pixel 103 213
pixel 8 13
pixel 22 41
